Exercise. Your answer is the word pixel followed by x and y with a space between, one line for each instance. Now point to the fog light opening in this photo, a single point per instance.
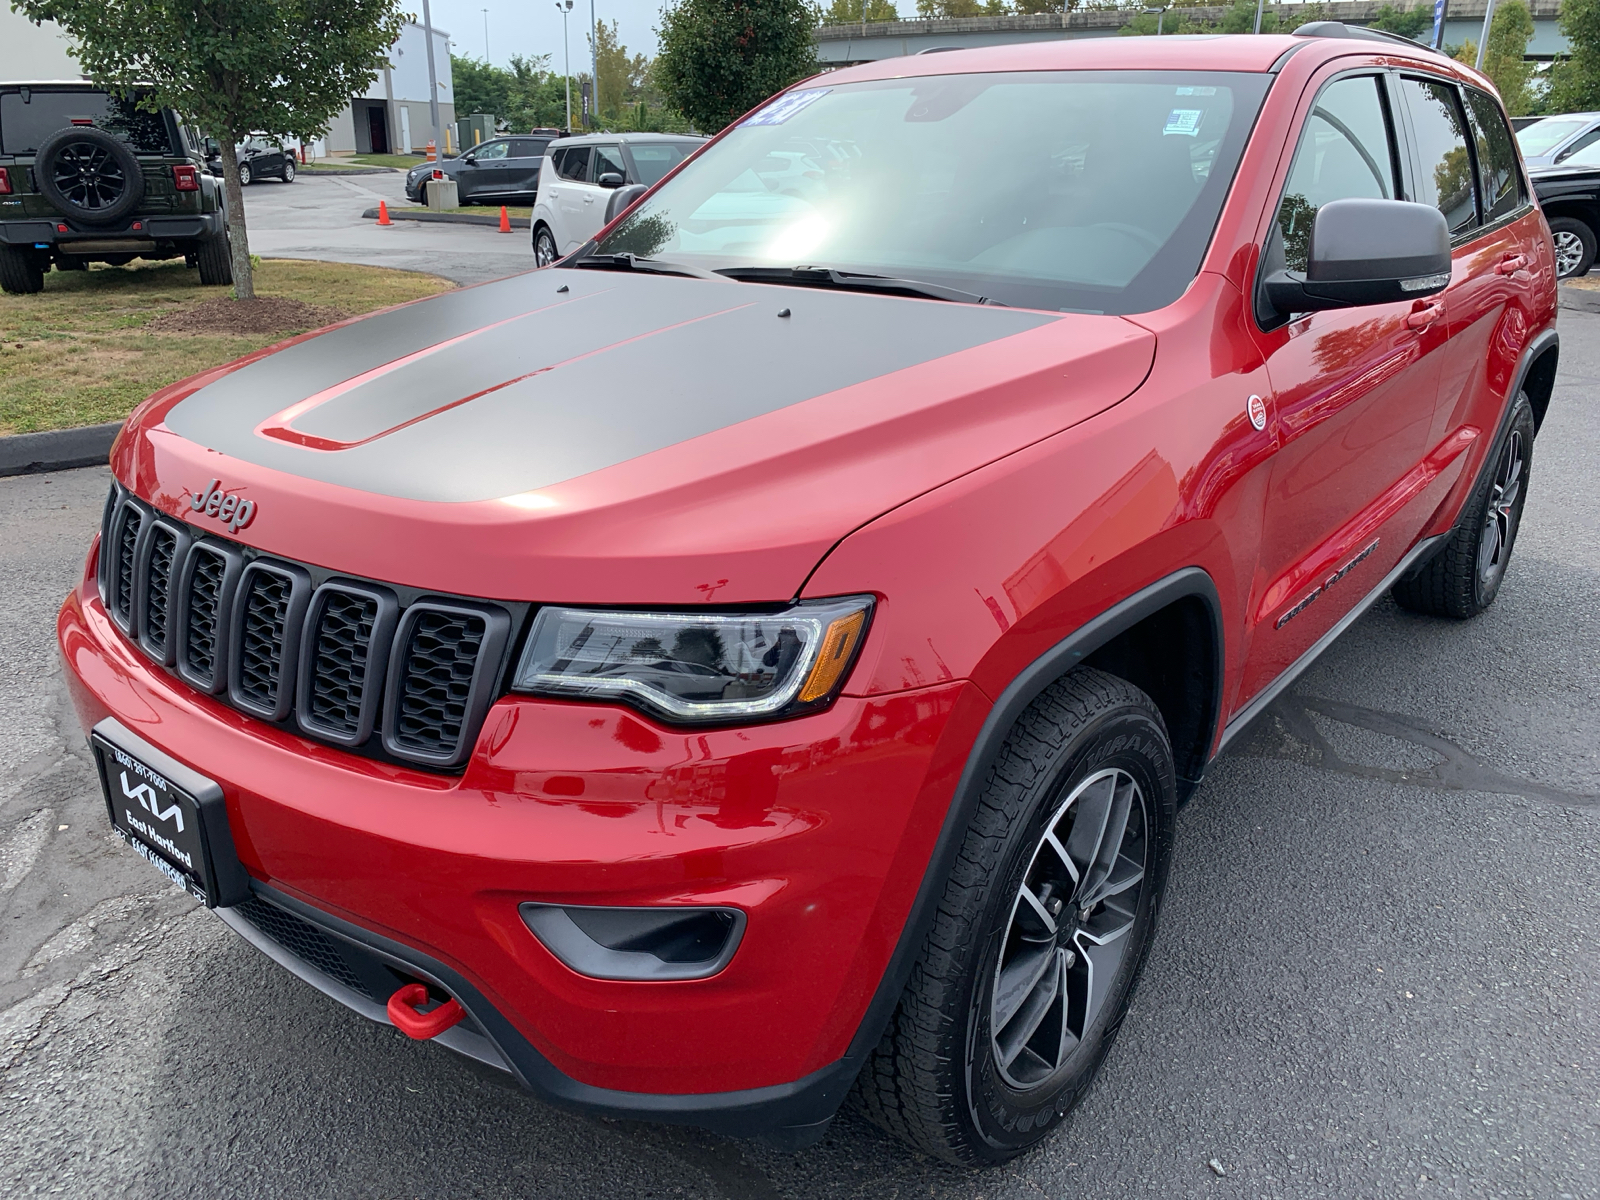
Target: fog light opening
pixel 640 944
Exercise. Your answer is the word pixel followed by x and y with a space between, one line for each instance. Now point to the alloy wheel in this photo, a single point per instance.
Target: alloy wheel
pixel 1569 252
pixel 244 174
pixel 88 176
pixel 1500 518
pixel 1067 935
pixel 544 249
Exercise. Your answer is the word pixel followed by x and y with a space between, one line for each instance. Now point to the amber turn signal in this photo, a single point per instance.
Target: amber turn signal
pixel 838 645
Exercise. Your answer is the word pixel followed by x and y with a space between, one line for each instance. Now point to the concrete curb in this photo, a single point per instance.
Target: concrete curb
pixel 57 449
pixel 349 171
pixel 1579 299
pixel 450 218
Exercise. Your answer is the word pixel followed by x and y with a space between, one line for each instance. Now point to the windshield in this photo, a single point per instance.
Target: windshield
pixel 1544 136
pixel 29 115
pixel 1087 191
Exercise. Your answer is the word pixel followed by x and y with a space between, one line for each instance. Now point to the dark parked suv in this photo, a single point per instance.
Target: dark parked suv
pixel 87 177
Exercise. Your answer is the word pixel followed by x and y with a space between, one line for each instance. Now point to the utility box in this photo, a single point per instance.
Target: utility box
pixel 474 130
pixel 442 194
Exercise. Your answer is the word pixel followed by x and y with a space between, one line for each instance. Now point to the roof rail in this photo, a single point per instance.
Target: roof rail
pixel 1338 29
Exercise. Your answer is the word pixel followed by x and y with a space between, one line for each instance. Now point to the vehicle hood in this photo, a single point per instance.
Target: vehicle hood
pixel 606 437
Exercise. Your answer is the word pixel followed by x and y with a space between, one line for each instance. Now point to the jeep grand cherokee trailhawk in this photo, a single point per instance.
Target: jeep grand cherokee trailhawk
pixel 86 177
pixel 756 661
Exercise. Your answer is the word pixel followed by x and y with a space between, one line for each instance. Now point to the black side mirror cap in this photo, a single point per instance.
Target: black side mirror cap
pixel 622 198
pixel 611 180
pixel 1367 252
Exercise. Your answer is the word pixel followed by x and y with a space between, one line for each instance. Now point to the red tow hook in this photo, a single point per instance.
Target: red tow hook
pixel 403 1011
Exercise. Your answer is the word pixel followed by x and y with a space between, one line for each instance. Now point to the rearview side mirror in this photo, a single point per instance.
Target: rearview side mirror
pixel 1367 252
pixel 622 198
pixel 611 180
pixel 469 159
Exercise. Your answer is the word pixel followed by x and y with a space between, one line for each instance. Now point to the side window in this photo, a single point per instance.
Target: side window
pixel 573 163
pixel 1498 177
pixel 1582 143
pixel 490 151
pixel 1345 153
pixel 1444 177
pixel 608 160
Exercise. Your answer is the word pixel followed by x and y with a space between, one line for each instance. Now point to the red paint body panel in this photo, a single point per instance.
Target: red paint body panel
pixel 994 500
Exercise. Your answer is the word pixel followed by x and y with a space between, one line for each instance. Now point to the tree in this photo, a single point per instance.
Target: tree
pixel 1509 33
pixel 283 67
pixel 720 58
pixel 622 78
pixel 1407 22
pixel 848 12
pixel 479 87
pixel 1575 83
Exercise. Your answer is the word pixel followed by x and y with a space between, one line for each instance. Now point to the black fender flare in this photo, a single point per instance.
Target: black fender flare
pixel 1023 689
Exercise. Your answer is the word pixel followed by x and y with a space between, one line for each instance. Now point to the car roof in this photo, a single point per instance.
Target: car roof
pixel 1175 52
pixel 609 139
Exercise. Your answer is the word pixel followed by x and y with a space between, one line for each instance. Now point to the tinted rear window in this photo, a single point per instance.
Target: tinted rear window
pixel 28 116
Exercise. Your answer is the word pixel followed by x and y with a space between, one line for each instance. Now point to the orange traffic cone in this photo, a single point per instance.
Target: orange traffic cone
pixel 505 221
pixel 383 213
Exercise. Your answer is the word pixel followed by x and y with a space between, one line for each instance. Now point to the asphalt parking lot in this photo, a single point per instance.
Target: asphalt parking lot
pixel 1378 974
pixel 319 216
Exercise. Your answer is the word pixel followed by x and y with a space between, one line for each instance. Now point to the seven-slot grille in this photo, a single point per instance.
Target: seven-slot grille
pixel 344 658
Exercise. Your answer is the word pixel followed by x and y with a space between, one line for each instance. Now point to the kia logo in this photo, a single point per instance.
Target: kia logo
pixel 235 511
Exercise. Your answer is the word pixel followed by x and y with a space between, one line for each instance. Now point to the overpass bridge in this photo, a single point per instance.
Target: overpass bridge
pixel 839 45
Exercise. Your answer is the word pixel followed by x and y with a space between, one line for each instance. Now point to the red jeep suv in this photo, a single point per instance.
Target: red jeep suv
pixel 757 660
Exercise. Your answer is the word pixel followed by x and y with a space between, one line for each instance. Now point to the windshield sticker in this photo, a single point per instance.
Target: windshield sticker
pixel 1185 121
pixel 1194 91
pixel 781 109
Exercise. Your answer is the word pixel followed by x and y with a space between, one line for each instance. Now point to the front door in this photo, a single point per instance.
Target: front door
pixel 1354 397
pixel 484 176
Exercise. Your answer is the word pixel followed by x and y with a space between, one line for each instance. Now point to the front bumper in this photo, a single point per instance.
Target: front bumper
pixel 818 829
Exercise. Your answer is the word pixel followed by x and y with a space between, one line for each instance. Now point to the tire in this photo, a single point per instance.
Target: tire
pixel 214 256
pixel 244 175
pixel 544 246
pixel 958 1074
pixel 1462 580
pixel 288 170
pixel 88 175
pixel 21 271
pixel 1574 244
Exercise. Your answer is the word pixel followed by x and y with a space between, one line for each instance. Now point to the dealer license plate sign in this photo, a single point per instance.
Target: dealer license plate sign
pixel 172 816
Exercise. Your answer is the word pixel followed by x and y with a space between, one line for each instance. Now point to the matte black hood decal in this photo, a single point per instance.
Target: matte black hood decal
pixel 513 386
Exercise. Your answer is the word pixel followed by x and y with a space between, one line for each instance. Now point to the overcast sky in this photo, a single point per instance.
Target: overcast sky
pixel 532 27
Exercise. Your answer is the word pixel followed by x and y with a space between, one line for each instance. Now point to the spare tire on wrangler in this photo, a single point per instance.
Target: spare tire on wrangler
pixel 88 175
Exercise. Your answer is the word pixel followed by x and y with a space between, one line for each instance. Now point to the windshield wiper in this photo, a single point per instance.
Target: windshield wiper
pixel 828 277
pixel 632 262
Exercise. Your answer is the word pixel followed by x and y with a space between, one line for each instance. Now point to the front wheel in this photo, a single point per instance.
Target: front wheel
pixel 1041 933
pixel 244 174
pixel 288 170
pixel 1574 245
pixel 1463 578
pixel 544 247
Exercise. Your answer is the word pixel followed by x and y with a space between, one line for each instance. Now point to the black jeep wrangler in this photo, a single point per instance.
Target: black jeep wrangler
pixel 86 177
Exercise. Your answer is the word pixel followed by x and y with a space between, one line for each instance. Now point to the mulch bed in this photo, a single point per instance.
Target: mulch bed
pixel 264 314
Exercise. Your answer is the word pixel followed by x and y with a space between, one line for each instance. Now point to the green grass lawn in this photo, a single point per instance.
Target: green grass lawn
pixel 404 161
pixel 328 168
pixel 77 353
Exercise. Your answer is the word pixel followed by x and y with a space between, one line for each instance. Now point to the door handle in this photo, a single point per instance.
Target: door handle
pixel 1424 315
pixel 1512 263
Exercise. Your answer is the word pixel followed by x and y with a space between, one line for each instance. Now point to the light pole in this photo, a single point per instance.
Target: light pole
pixel 594 54
pixel 1260 4
pixel 1483 38
pixel 433 81
pixel 1160 15
pixel 486 35
pixel 564 7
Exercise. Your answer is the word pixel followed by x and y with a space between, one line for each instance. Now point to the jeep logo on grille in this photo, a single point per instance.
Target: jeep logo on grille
pixel 214 502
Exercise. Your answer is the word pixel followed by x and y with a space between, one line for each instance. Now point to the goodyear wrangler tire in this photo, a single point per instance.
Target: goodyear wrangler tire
pixel 1042 931
pixel 1462 580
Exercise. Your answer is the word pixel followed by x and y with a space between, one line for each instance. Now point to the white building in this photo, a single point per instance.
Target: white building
pixel 390 117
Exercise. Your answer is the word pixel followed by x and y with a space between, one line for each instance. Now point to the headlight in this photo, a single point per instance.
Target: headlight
pixel 699 667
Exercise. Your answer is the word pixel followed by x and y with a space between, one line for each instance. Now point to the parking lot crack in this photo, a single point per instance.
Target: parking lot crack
pixel 1454 768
